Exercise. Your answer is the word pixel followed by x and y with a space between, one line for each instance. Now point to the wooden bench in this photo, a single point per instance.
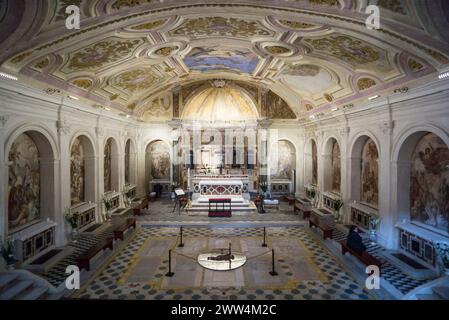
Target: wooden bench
pixel 291 200
pixel 327 231
pixel 137 209
pixel 305 213
pixel 364 257
pixel 121 228
pixel 83 261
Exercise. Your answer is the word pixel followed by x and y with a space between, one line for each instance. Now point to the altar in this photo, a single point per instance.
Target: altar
pixel 233 187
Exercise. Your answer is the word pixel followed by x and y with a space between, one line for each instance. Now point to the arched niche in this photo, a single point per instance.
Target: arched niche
pixel 111 166
pixel 82 170
pixel 158 164
pixel 423 181
pixel 365 171
pixel 31 181
pixel 286 161
pixel 311 163
pixel 332 166
pixel 130 162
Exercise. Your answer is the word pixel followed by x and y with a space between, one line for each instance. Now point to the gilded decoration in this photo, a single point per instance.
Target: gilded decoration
pixel 415 65
pixel 83 83
pixel 218 26
pixel 365 83
pixel 165 51
pixel 277 50
pixel 328 97
pixel 348 49
pixel 119 4
pixel 42 64
pixel 392 5
pixel 19 58
pixel 136 79
pixel 296 24
pixel 149 25
pixel 99 54
pixel 113 97
pixel 309 107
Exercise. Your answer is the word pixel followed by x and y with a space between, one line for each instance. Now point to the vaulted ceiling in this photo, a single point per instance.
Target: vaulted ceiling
pixel 142 57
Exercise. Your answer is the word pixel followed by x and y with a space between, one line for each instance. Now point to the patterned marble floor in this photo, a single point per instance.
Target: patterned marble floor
pixel 306 269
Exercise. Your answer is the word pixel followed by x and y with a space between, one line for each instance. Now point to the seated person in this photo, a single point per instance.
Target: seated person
pixel 354 240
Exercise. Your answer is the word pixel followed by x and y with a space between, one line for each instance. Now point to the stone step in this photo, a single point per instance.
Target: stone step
pixel 16 290
pixel 34 294
pixel 6 279
pixel 442 292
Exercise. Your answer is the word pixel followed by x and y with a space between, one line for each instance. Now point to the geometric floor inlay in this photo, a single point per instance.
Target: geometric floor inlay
pixel 306 270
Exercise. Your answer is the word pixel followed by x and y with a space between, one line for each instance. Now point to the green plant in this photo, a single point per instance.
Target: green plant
pixel 263 186
pixel 107 202
pixel 338 204
pixel 173 186
pixel 7 249
pixel 442 250
pixel 313 193
pixel 73 219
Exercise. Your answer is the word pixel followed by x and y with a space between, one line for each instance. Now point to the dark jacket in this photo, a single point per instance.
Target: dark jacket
pixel 354 241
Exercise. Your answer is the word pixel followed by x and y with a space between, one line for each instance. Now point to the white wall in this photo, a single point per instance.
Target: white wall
pixel 388 123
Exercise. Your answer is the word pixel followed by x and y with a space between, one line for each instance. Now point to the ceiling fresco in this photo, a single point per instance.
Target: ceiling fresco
pixel 143 57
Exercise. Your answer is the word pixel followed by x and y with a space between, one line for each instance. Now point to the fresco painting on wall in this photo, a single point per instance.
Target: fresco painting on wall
pixel 77 178
pixel 429 185
pixel 23 183
pixel 221 58
pixel 314 164
pixel 160 160
pixel 108 166
pixel 286 161
pixel 370 173
pixel 336 167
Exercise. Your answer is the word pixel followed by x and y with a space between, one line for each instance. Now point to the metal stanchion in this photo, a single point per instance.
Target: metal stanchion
pixel 273 272
pixel 180 245
pixel 169 273
pixel 264 244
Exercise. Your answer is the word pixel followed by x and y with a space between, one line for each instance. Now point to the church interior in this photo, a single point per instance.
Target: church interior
pixel 224 150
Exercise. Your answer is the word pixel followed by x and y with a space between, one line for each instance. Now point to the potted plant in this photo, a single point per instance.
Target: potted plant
pixel 374 223
pixel 73 220
pixel 442 250
pixel 173 187
pixel 264 187
pixel 127 195
pixel 107 200
pixel 7 249
pixel 338 204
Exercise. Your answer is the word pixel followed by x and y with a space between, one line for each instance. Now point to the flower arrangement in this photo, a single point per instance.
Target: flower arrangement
pixel 442 250
pixel 72 219
pixel 7 249
pixel 263 186
pixel 312 193
pixel 173 186
pixel 338 204
pixel 374 223
pixel 107 200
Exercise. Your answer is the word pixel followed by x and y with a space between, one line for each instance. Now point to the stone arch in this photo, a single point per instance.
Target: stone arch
pixel 111 165
pixel 158 164
pixel 331 165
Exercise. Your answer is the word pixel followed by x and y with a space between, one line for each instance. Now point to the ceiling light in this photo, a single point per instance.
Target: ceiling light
pixel 8 76
pixel 74 98
pixel 312 117
pixel 443 75
pixel 334 109
pixel 107 109
pixel 128 116
pixel 374 97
